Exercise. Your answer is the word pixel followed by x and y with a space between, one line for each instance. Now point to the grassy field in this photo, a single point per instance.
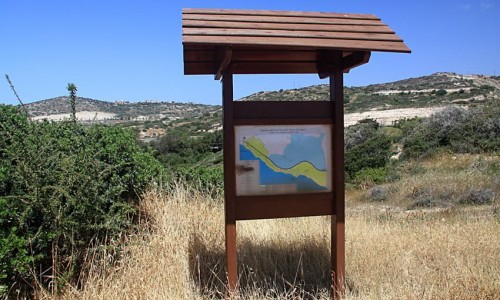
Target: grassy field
pixel 441 250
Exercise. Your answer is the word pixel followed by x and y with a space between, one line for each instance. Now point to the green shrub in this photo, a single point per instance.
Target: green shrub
pixel 179 148
pixel 456 129
pixel 393 133
pixel 441 92
pixel 407 125
pixel 370 176
pixel 366 148
pixel 202 178
pixel 63 188
pixel 377 193
pixel 478 197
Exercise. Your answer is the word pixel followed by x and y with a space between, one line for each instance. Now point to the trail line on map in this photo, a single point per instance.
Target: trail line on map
pixel 276 165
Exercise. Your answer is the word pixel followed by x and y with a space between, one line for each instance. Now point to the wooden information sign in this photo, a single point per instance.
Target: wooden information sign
pixel 283 159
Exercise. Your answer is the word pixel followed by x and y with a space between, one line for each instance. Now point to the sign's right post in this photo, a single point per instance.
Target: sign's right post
pixel 338 214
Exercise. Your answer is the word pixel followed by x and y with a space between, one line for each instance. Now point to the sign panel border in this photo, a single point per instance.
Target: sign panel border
pixel 274 137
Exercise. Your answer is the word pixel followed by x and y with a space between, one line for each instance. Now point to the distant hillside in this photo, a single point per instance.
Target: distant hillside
pixel 385 103
pixel 87 109
pixel 434 90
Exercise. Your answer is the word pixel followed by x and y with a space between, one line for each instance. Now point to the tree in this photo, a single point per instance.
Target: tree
pixel 72 100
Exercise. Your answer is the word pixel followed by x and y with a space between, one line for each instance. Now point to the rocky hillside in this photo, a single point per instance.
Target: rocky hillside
pixel 96 110
pixel 385 103
pixel 438 89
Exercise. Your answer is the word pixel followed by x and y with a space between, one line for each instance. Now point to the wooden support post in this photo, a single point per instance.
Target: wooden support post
pixel 338 217
pixel 230 182
pixel 224 59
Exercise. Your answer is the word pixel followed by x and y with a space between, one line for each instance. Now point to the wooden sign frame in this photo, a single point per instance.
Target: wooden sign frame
pixel 223 42
pixel 292 205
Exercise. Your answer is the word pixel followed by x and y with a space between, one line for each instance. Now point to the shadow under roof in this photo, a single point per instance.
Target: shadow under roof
pixel 280 42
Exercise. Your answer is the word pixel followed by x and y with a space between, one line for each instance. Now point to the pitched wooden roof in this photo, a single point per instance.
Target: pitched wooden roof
pixel 259 42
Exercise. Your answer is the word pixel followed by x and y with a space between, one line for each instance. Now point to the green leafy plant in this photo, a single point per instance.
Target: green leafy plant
pixel 367 152
pixel 64 188
pixel 456 129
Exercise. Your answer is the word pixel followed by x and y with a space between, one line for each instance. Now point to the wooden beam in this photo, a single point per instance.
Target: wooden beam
pixel 255 55
pixel 283 206
pixel 282 110
pixel 326 62
pixel 224 57
pixel 354 60
pixel 207 68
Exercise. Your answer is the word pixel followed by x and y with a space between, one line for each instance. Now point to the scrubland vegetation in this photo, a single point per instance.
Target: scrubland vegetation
pixel 86 213
pixel 65 189
pixel 391 253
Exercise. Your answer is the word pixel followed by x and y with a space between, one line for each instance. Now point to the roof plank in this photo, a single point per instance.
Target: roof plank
pixel 277 13
pixel 200 24
pixel 290 33
pixel 282 19
pixel 345 44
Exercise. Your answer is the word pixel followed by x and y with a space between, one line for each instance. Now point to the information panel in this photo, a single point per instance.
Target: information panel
pixel 283 159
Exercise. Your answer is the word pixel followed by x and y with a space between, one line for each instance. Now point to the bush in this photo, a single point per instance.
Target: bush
pixel 377 193
pixel 478 197
pixel 407 125
pixel 456 129
pixel 178 148
pixel 63 188
pixel 366 148
pixel 370 176
pixel 393 133
pixel 202 178
pixel 422 198
pixel 441 92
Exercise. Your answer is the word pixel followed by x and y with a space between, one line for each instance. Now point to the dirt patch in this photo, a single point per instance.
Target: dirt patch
pixel 82 115
pixel 386 117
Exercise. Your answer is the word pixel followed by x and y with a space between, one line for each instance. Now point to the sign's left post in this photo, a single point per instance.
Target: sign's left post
pixel 229 182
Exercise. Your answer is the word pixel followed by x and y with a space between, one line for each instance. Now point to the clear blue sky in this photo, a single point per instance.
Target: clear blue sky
pixel 132 50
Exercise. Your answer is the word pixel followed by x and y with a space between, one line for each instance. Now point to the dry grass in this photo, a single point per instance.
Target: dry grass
pixel 391 254
pixel 443 180
pixel 450 252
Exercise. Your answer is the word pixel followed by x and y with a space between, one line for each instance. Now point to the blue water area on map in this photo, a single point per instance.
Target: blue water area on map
pixel 269 177
pixel 302 147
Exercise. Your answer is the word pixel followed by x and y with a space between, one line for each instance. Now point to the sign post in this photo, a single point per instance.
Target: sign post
pixel 283 159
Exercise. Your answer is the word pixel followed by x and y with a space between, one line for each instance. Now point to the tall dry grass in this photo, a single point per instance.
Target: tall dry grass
pixel 391 254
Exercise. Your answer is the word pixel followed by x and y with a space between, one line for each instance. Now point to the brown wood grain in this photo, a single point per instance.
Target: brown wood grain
pixel 229 182
pixel 280 19
pixel 269 121
pixel 338 220
pixel 385 46
pixel 253 55
pixel 208 56
pixel 261 67
pixel 186 11
pixel 290 33
pixel 281 110
pixel 254 68
pixel 283 206
pixel 286 26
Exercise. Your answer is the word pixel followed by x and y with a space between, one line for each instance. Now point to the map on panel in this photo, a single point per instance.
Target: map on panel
pixel 282 159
